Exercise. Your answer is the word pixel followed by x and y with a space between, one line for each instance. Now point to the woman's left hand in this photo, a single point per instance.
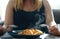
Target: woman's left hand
pixel 54 31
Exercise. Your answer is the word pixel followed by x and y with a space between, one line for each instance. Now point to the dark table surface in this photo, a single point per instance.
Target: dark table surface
pixel 43 36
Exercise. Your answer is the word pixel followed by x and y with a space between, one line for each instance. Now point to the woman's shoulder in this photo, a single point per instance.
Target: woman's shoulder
pixel 46 3
pixel 10 3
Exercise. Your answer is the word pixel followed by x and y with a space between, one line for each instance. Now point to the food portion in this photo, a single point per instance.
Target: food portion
pixel 30 32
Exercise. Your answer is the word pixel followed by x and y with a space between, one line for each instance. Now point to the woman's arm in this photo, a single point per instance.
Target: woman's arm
pixel 50 19
pixel 9 14
pixel 49 14
pixel 8 17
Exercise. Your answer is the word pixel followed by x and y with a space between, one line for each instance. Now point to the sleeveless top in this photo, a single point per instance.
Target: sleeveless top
pixel 24 19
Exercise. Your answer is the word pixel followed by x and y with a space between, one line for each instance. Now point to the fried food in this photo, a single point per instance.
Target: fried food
pixel 30 32
pixel 37 32
pixel 20 33
pixel 27 32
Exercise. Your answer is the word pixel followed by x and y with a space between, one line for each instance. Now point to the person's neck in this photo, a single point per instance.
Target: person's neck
pixel 28 2
pixel 28 5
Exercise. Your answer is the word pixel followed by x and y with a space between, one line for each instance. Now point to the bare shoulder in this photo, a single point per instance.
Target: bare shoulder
pixel 46 3
pixel 10 3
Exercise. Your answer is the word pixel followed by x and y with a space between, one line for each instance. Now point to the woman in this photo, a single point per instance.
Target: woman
pixel 30 13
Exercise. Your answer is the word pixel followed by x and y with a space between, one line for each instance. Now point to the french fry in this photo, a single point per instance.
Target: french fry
pixel 30 32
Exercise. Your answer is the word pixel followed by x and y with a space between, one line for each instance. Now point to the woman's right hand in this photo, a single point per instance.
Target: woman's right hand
pixel 2 30
pixel 9 28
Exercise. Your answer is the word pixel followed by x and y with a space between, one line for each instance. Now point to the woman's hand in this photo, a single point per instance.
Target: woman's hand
pixel 9 28
pixel 54 31
pixel 2 30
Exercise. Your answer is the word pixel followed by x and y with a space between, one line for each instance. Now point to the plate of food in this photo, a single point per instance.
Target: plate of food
pixel 27 33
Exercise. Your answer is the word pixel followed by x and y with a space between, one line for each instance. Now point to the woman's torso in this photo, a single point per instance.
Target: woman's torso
pixel 24 19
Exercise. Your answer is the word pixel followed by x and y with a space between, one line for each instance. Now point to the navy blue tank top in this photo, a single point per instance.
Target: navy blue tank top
pixel 24 19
